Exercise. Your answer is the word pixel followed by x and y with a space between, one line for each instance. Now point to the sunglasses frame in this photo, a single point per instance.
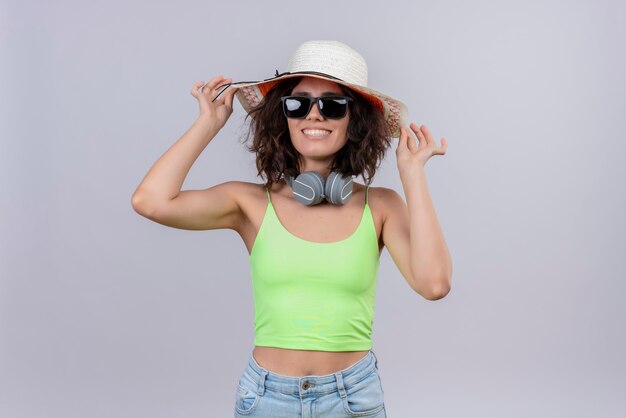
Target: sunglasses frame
pixel 312 101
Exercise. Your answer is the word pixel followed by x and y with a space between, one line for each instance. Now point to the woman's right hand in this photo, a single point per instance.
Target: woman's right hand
pixel 217 111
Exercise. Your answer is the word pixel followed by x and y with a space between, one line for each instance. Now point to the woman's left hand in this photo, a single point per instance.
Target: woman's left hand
pixel 410 155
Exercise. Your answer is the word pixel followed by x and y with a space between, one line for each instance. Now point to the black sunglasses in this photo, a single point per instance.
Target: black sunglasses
pixel 331 107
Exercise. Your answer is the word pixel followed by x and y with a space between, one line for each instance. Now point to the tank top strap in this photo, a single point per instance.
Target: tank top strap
pixel 268 194
pixel 366 190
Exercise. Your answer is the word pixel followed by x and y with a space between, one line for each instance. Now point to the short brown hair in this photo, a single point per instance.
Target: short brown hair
pixel 369 136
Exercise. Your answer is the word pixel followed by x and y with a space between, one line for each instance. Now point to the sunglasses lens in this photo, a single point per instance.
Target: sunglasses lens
pixel 296 107
pixel 334 107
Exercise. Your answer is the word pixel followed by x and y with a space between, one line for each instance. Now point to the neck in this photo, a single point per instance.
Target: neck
pixel 321 167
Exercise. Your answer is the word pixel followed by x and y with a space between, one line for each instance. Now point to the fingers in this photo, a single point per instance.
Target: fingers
pixel 215 88
pixel 444 145
pixel 228 99
pixel 424 134
pixel 194 89
pixel 223 87
pixel 208 88
pixel 402 139
pixel 215 92
pixel 420 135
pixel 411 142
pixel 424 139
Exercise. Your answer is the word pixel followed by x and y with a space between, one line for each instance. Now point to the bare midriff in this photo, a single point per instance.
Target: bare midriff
pixel 298 363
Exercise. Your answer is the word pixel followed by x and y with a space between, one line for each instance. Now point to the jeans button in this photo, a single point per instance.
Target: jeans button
pixel 306 385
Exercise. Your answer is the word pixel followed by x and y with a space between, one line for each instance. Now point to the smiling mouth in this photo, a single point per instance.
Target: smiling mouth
pixel 316 133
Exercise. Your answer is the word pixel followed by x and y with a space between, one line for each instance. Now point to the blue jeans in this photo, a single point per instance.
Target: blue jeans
pixel 352 392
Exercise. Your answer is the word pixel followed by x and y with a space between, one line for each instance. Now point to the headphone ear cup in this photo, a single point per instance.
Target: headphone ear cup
pixel 338 189
pixel 308 188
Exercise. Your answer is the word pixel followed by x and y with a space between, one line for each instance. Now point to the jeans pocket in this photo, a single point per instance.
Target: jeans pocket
pixel 247 398
pixel 364 397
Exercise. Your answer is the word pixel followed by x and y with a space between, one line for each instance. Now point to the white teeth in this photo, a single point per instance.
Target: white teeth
pixel 316 132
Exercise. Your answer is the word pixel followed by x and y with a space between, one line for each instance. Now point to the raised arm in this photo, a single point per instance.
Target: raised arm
pixel 159 197
pixel 411 231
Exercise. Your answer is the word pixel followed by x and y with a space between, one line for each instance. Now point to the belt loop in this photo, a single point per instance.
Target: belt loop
pixel 375 359
pixel 261 385
pixel 340 387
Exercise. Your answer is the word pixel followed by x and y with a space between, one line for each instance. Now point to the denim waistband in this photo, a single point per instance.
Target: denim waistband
pixel 311 384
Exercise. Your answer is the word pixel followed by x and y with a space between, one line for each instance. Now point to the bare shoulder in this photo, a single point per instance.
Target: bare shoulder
pixel 251 198
pixel 246 190
pixel 243 189
pixel 385 201
pixel 240 188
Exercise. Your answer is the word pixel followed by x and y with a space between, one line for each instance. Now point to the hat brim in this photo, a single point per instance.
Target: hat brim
pixel 395 112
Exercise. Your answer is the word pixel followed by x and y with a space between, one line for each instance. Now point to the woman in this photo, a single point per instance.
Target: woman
pixel 314 236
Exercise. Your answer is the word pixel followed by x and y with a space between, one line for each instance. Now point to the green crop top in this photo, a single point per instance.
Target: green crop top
pixel 312 295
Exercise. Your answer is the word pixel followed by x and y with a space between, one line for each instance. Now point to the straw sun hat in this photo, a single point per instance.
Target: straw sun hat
pixel 330 60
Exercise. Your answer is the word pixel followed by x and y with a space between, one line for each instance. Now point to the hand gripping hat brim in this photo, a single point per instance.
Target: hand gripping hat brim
pixel 329 60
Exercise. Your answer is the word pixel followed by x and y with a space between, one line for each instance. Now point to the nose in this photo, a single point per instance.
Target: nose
pixel 314 113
